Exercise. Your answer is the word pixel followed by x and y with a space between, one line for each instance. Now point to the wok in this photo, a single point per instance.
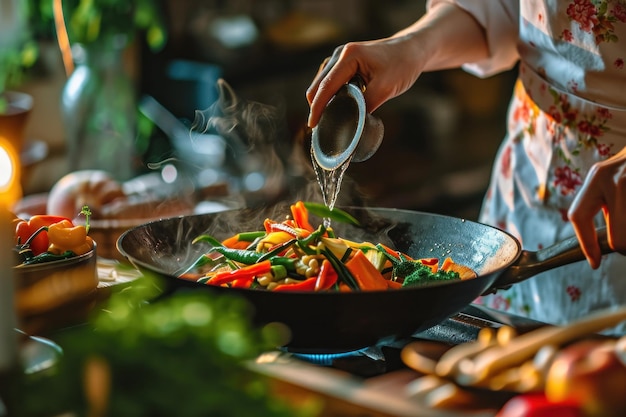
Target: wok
pixel 334 321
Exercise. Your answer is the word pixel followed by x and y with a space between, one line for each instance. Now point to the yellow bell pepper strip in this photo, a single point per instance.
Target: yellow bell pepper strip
pixel 366 274
pixel 301 216
pixel 294 231
pixel 273 239
pixel 64 236
pixel 250 271
pixel 306 285
pixel 327 276
pixel 337 246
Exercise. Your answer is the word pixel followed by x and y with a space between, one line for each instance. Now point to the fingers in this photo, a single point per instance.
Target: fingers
pixel 604 189
pixel 587 203
pixel 325 66
pixel 335 72
pixel 615 213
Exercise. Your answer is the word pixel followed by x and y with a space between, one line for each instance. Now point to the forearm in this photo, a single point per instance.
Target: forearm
pixel 445 37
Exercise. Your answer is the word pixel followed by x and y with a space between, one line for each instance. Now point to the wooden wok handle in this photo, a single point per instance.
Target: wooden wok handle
pixel 532 263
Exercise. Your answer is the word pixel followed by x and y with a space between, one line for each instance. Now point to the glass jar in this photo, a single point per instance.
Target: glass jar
pixel 99 107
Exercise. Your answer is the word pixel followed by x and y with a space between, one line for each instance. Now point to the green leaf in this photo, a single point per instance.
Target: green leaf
pixel 321 210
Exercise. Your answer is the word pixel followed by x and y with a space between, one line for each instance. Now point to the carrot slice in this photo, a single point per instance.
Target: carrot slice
pixel 446 264
pixel 301 216
pixel 366 275
pixel 465 272
pixel 393 285
pixel 233 242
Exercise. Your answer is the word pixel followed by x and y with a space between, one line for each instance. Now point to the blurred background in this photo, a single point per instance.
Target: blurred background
pixel 440 137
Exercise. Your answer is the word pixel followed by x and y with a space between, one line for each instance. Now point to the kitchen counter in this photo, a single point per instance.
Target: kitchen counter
pixel 369 382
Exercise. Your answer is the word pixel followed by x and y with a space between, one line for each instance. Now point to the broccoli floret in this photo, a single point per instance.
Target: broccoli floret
pixel 416 273
pixel 423 275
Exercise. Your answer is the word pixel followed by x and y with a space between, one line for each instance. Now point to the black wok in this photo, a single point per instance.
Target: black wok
pixel 333 321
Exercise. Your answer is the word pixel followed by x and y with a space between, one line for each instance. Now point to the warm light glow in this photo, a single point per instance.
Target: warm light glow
pixel 62 37
pixel 10 188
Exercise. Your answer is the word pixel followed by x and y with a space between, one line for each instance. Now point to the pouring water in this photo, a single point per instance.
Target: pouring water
pixel 345 133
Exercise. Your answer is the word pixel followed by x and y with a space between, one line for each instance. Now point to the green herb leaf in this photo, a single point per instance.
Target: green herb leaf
pixel 321 210
pixel 85 211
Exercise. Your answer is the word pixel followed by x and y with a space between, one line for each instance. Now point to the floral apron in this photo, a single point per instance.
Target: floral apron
pixel 554 136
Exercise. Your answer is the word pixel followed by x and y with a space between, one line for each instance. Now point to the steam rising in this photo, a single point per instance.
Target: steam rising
pixel 251 131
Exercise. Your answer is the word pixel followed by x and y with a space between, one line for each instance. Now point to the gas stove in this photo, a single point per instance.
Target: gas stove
pixel 374 381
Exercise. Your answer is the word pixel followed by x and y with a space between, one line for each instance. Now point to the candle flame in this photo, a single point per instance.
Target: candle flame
pixel 10 187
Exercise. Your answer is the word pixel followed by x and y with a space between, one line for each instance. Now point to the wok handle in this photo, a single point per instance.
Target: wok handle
pixel 561 253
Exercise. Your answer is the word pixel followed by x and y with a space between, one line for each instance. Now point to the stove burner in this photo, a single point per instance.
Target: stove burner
pixel 385 356
pixel 326 358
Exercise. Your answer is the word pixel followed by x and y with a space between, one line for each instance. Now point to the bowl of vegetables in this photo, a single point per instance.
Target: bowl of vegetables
pixel 55 271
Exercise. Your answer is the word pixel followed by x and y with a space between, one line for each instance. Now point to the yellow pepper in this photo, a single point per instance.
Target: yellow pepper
pixel 64 236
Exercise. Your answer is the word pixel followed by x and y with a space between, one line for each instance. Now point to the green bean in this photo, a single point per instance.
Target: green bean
pixel 247 257
pixel 343 272
pixel 210 239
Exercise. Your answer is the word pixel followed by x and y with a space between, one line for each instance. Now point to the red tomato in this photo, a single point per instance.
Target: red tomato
pixel 537 405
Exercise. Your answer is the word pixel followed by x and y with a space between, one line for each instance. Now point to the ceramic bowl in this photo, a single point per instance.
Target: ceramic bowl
pixel 55 291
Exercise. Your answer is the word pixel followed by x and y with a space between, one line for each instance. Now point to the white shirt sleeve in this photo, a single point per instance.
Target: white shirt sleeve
pixel 500 18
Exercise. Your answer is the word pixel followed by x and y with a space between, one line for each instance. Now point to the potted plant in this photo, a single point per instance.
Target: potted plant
pixel 17 53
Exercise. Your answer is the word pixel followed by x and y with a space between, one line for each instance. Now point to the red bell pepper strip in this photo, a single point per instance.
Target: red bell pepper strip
pixel 249 271
pixel 432 263
pixel 327 277
pixel 429 261
pixel 242 282
pixel 306 285
pixel 267 224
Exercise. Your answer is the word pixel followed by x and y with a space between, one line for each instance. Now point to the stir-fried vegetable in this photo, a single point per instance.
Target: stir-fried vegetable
pixel 293 255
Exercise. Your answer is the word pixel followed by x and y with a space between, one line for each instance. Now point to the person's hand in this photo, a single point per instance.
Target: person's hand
pixel 387 66
pixel 604 189
pixel 445 37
